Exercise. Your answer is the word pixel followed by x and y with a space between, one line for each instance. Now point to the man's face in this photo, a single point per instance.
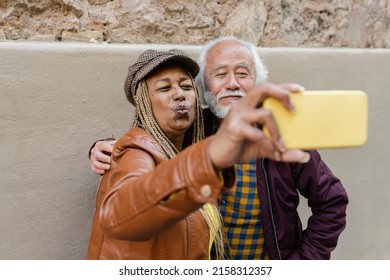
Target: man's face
pixel 229 75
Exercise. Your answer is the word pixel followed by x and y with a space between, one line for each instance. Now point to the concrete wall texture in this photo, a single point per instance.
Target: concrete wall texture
pixel 58 98
pixel 267 23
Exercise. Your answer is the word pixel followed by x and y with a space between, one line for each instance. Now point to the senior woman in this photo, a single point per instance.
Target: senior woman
pixel 148 205
pixel 158 200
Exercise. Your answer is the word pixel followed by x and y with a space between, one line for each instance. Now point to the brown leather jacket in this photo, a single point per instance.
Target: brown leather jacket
pixel 147 206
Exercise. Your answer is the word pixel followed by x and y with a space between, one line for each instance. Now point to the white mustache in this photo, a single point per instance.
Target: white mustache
pixel 229 93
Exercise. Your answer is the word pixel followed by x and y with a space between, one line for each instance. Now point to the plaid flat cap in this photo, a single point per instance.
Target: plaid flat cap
pixel 150 60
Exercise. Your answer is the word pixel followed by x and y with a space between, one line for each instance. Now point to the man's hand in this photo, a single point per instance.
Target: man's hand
pixel 239 137
pixel 101 155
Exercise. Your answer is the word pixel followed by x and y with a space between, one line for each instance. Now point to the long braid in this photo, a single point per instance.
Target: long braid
pixel 198 126
pixel 144 118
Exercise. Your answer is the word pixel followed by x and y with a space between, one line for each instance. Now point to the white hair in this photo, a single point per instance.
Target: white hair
pixel 260 69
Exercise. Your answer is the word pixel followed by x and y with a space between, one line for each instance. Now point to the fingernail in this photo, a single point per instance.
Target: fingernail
pixel 282 146
pixel 298 87
pixel 292 106
pixel 277 156
pixel 306 158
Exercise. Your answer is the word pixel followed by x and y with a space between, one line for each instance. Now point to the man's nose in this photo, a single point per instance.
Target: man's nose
pixel 232 82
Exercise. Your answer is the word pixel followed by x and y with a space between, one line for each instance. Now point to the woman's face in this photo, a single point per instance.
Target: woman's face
pixel 172 95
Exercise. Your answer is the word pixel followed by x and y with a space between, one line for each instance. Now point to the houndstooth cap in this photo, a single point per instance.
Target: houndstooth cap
pixel 150 60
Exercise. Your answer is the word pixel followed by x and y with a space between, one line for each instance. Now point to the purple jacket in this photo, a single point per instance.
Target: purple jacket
pixel 279 186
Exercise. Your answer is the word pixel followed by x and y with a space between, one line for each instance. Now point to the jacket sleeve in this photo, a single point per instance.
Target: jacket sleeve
pixel 328 201
pixel 144 199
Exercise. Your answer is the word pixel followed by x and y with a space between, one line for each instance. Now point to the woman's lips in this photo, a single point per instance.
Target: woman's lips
pixel 182 112
pixel 182 109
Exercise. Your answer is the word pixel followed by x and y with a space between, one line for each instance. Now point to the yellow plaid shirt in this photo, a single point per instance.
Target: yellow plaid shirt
pixel 240 209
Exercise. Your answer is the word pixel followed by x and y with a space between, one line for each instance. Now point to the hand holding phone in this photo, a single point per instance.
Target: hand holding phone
pixel 323 119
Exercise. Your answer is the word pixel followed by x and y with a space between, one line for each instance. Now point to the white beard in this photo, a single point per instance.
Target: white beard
pixel 219 110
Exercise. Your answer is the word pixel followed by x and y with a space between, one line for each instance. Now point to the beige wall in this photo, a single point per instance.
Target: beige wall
pixel 57 98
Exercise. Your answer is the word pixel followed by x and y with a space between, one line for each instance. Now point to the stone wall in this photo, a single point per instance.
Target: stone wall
pixel 268 23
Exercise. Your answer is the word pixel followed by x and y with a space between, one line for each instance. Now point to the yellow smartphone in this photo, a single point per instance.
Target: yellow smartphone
pixel 323 119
